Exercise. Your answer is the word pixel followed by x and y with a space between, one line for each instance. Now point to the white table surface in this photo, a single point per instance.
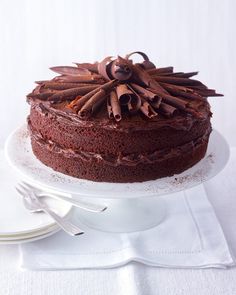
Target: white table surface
pixel 135 278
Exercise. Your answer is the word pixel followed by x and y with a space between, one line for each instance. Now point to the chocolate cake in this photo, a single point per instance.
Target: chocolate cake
pixel 120 121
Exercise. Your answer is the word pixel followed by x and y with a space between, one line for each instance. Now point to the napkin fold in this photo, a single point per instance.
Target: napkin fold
pixel 189 237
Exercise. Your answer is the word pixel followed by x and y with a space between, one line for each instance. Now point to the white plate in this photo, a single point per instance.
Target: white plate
pixel 20 155
pixel 30 234
pixel 15 220
pixel 29 239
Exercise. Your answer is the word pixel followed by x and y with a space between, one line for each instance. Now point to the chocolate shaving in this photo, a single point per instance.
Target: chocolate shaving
pixel 80 79
pixel 70 94
pixel 123 86
pixel 87 66
pixel 120 70
pixel 124 94
pixel 167 109
pixel 92 103
pixel 42 96
pixel 182 91
pixel 145 92
pixel 73 71
pixel 146 64
pixel 176 80
pixel 109 109
pixel 156 103
pixel 160 71
pixel 63 86
pixel 147 110
pixel 115 106
pixel 175 102
pixel 185 75
pixel 104 67
pixel 78 103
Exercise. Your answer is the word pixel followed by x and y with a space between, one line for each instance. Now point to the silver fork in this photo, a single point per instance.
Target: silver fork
pixel 80 204
pixel 34 204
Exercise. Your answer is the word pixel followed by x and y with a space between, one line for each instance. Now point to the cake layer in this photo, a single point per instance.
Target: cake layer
pixel 119 168
pixel 134 135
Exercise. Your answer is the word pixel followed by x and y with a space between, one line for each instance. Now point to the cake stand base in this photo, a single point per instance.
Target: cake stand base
pixel 126 215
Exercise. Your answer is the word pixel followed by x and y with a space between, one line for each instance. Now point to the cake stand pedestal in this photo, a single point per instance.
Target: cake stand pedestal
pixel 126 215
pixel 131 206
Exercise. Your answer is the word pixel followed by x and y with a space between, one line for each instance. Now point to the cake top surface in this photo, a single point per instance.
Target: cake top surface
pixel 117 89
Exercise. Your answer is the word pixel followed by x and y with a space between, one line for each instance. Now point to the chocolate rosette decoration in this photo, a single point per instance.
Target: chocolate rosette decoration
pixel 123 86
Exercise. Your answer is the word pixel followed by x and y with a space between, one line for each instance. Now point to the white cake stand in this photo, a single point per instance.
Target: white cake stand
pixel 131 206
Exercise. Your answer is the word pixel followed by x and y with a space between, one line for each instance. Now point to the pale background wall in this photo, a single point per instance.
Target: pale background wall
pixel 189 34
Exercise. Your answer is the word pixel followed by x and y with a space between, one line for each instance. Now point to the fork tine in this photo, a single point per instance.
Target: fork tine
pixel 28 190
pixel 27 193
pixel 27 185
pixel 22 188
pixel 19 191
pixel 24 185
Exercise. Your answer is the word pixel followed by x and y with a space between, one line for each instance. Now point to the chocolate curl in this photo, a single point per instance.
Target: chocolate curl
pixel 78 103
pixel 205 92
pixel 147 110
pixel 143 77
pixel 88 66
pixel 146 93
pixel 167 109
pixel 175 102
pixel 146 64
pixel 121 69
pixel 156 103
pixel 73 71
pixel 199 87
pixel 104 67
pixel 136 101
pixel 109 108
pixel 185 75
pixel 176 80
pixel 182 91
pixel 92 104
pixel 171 100
pixel 134 104
pixel 80 79
pixel 124 94
pixel 64 86
pixel 42 96
pixel 160 71
pixel 41 82
pixel 114 109
pixel 70 94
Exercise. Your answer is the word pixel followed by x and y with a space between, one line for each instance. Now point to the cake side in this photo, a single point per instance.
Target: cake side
pixel 131 168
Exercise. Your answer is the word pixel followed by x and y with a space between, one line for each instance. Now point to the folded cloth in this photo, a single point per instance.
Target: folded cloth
pixel 189 237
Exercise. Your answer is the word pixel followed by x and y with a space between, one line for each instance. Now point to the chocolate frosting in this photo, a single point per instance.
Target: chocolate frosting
pixel 121 87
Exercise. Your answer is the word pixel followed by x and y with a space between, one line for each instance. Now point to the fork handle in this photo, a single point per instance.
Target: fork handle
pixel 67 226
pixel 80 204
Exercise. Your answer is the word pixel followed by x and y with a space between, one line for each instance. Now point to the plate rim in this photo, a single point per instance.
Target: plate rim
pixel 31 239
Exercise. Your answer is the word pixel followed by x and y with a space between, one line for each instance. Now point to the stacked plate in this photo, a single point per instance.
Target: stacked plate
pixel 17 224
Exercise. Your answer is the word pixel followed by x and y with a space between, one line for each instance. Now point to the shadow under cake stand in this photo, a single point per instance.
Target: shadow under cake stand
pixel 130 206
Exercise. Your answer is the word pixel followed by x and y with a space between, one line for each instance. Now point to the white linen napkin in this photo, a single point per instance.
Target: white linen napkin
pixel 189 237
